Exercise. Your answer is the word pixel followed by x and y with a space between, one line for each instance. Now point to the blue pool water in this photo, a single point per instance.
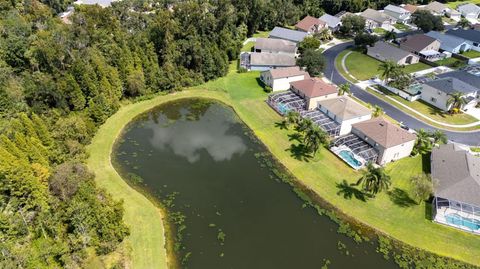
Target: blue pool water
pixel 350 159
pixel 456 219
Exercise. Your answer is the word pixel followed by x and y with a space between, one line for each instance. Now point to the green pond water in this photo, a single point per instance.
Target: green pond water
pixel 236 214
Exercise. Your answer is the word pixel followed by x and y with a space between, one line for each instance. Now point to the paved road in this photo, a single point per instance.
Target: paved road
pixel 469 138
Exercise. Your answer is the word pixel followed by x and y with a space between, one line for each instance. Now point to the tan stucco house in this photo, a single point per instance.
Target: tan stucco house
pixel 279 79
pixel 389 140
pixel 313 90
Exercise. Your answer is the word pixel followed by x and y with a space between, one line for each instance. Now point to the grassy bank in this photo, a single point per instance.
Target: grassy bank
pixel 392 213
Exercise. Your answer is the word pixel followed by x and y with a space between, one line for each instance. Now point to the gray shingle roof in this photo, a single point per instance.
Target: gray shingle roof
pixel 272 59
pixel 287 34
pixel 275 44
pixel 447 42
pixel 331 21
pixel 387 51
pixel 345 108
pixel 463 76
pixel 472 35
pixel 450 85
pixel 395 9
pixel 469 9
pixel 457 174
pixel 375 15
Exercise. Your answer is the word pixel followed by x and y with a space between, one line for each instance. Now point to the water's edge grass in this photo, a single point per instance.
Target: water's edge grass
pixel 348 224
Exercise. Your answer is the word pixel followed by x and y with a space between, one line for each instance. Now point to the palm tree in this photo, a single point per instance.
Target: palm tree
pixel 344 89
pixel 303 125
pixel 390 35
pixel 377 111
pixel 455 102
pixel 424 143
pixel 292 118
pixel 314 138
pixel 439 137
pixel 389 69
pixel 374 179
pixel 324 35
pixel 464 23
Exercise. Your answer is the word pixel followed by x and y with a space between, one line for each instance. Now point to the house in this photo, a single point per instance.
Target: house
pixel 332 22
pixel 470 35
pixel 102 3
pixel 389 140
pixel 436 8
pixel 450 43
pixel 313 90
pixel 279 79
pixel 311 25
pixel 462 75
pixel 384 51
pixel 345 111
pixel 287 34
pixel 342 14
pixel 273 45
pixel 422 45
pixel 438 92
pixel 264 61
pixel 456 176
pixel 376 19
pixel 469 11
pixel 410 8
pixel 400 14
pixel 453 14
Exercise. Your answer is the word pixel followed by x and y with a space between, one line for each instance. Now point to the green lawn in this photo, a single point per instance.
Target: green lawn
pixel 430 111
pixel 401 27
pixel 451 62
pixel 386 212
pixel 362 66
pixel 456 3
pixel 471 54
pixel 261 34
pixel 380 31
pixel 416 67
pixel 341 70
pixel 248 47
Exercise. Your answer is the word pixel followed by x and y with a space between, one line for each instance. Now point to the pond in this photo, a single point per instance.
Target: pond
pixel 198 158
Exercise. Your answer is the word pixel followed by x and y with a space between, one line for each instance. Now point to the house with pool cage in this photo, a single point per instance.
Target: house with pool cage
pixel 456 176
pixel 376 140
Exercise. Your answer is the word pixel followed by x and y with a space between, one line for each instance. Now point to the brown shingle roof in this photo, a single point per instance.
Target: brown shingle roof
pixel 410 7
pixel 384 132
pixel 306 23
pixel 314 87
pixel 288 72
pixel 417 42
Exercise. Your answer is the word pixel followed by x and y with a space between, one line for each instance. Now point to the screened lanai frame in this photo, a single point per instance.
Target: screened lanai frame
pixel 357 146
pixel 283 102
pixel 457 214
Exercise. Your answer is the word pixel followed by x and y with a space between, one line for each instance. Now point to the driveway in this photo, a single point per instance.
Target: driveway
pixel 468 138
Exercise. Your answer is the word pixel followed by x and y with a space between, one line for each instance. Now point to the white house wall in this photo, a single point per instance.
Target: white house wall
pixel 346 125
pixel 281 84
pixel 395 153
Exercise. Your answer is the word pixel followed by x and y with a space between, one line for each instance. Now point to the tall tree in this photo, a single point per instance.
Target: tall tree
pixel 313 61
pixel 455 102
pixel 374 179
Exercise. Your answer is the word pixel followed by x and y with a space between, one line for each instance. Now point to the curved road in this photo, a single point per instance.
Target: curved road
pixel 469 138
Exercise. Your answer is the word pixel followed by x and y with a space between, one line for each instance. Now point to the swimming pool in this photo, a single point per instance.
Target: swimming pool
pixel 348 157
pixel 456 219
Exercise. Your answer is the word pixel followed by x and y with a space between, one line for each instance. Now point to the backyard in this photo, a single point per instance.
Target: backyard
pixel 402 27
pixel 393 213
pixel 471 54
pixel 451 62
pixel 456 3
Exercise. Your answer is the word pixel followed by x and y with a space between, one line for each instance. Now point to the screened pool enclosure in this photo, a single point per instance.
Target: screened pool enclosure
pixel 457 214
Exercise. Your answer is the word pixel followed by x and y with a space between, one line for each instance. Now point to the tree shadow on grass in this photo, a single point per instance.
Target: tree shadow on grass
pixel 295 137
pixel 348 191
pixel 429 209
pixel 401 198
pixel 299 152
pixel 426 163
pixel 282 125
